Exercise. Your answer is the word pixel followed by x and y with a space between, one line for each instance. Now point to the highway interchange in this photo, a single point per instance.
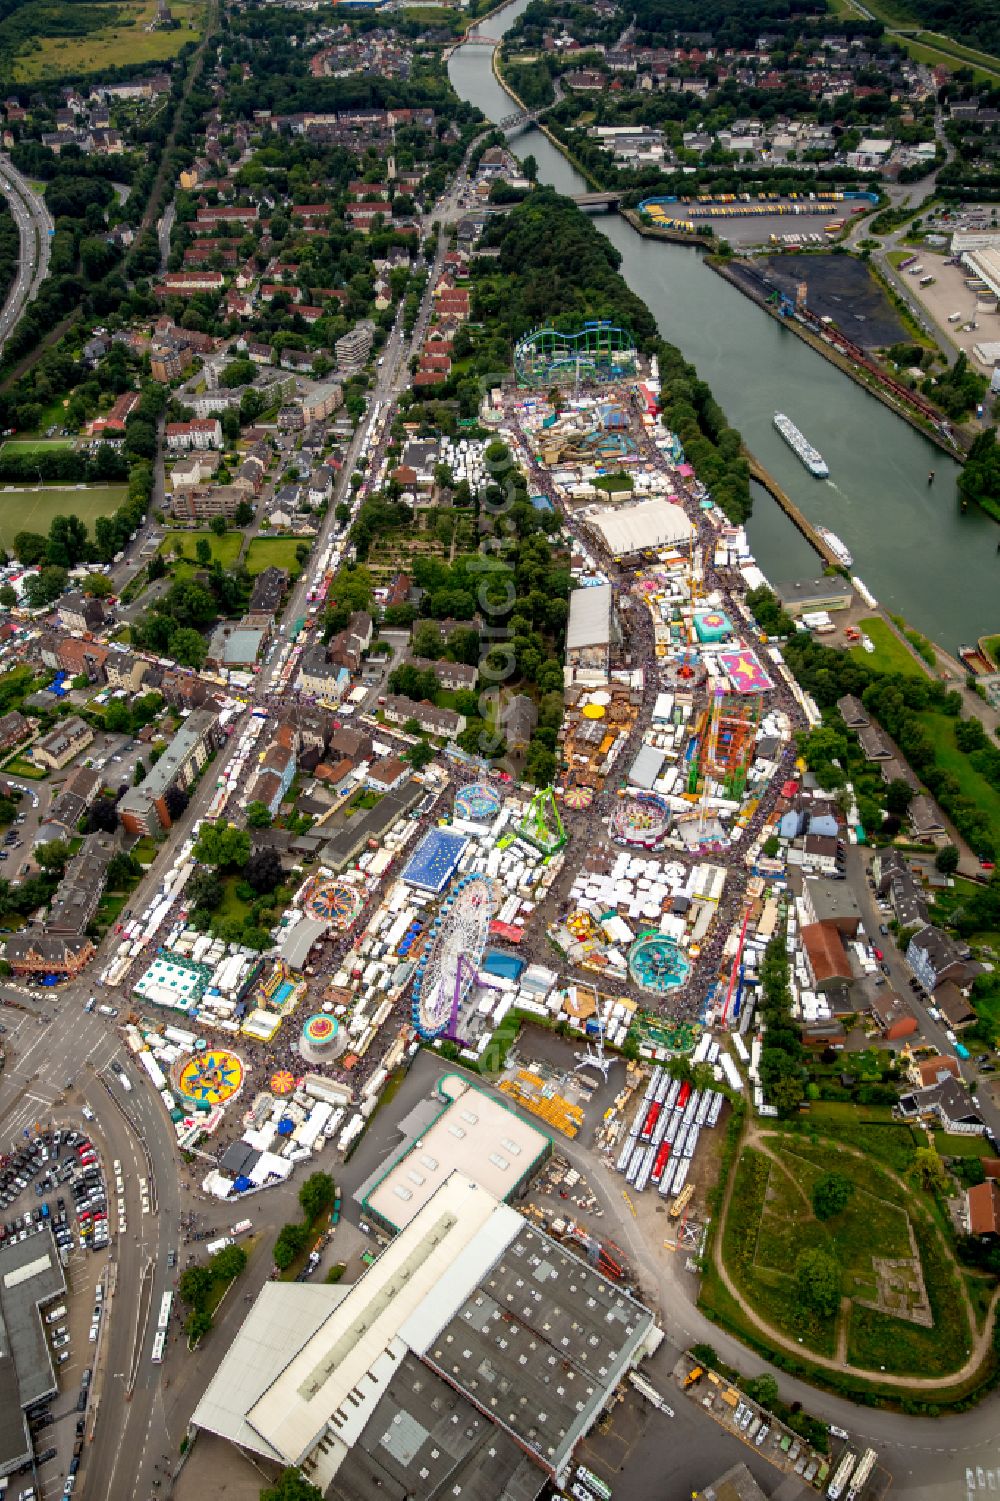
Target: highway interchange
pixel 35 226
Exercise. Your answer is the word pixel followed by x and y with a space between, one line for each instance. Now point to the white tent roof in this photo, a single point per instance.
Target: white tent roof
pixel 652 523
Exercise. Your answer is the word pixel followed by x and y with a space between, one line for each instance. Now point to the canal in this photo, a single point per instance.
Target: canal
pixel 912 546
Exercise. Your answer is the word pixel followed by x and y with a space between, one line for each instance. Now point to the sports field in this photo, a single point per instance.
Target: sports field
pixel 19 447
pixel 32 509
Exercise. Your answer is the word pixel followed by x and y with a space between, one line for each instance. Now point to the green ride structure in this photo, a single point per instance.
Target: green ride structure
pixel 598 351
pixel 542 827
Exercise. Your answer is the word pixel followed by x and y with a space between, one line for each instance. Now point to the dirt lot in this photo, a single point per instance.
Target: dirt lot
pixel 839 287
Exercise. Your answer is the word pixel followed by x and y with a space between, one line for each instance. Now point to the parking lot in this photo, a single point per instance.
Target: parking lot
pixel 54 1186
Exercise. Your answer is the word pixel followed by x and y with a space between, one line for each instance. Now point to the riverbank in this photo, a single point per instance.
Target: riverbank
pixel 575 163
pixel 867 379
pixel 672 236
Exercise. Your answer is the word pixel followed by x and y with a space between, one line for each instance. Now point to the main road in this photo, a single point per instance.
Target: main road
pixel 34 223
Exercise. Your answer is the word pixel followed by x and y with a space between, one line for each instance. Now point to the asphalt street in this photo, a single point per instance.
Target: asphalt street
pixel 35 225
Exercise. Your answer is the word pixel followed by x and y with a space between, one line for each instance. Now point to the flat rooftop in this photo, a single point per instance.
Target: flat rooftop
pixel 30 1277
pixel 471 1133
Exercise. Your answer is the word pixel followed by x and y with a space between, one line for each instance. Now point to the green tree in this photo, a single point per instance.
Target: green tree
pixel 929 1171
pixel 898 796
pixel 222 845
pixel 291 1485
pixel 762 1389
pixel 8 596
pixel 218 525
pixel 946 859
pixel 831 1194
pixel 772 846
pixel 258 815
pixel 817 1276
pixel 419 754
pixel 290 1243
pixel 52 856
pixel 317 1194
pixel 203 550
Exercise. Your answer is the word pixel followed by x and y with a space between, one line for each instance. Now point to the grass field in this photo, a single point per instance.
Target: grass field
pixel 32 510
pixel 274 552
pixel 124 40
pixel 225 549
pixel 771 1223
pixel 976 788
pixel 21 446
pixel 890 655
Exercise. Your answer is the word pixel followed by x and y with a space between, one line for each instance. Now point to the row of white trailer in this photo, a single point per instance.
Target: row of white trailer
pixel 664 1135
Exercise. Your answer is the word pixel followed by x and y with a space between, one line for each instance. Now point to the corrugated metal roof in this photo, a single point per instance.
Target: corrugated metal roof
pixel 589 617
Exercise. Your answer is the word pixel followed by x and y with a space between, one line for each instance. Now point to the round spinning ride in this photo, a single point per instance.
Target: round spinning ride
pixel 478 803
pixel 642 819
pixel 657 964
pixel 208 1079
pixel 448 967
pixel 335 902
pixel 322 1038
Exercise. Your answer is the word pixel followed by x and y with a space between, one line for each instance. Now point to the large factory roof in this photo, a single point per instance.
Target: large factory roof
pixel 473 1134
pixel 985 263
pixel 631 529
pixel 589 617
pixel 463 1289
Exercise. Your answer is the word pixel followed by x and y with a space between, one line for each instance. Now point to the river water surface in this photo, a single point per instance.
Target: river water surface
pixel 912 546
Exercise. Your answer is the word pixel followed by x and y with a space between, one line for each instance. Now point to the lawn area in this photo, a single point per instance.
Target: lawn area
pixel 771 1223
pixel 890 655
pixel 32 510
pixel 122 42
pixel 937 57
pixel 976 788
pixel 274 552
pixel 958 49
pixel 231 905
pixel 18 447
pixel 225 549
pixel 992 645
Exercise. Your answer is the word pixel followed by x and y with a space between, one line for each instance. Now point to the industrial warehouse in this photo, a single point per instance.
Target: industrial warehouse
pixel 433 1372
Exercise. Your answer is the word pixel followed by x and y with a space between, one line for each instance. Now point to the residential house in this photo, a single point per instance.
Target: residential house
pixel 268 591
pixel 200 432
pixel 13 729
pixel 953 1005
pixel 983 1203
pixel 825 955
pixel 80 612
pixel 79 893
pixel 144 809
pixel 125 670
pixel 58 748
pixel 926 1071
pixel 318 676
pixel 518 717
pixel 934 956
pixel 947 1102
pixel 444 722
pixel 926 819
pixel 386 775
pixel 827 901
pixel 874 744
pixel 449 675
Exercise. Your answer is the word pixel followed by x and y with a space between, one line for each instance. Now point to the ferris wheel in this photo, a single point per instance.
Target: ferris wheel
pixel 448 969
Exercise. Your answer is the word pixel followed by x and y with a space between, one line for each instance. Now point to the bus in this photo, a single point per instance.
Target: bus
pixel 594 1483
pixel 862 1474
pixel 165 1306
pixel 159 1341
pixel 841 1475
